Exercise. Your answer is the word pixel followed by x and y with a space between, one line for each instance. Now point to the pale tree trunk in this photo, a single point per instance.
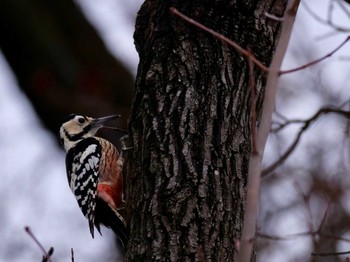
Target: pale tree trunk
pixel 190 127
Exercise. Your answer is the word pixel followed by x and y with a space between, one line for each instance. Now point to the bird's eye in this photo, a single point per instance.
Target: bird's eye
pixel 81 120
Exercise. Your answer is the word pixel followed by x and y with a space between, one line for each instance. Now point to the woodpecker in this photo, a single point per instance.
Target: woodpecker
pixel 94 172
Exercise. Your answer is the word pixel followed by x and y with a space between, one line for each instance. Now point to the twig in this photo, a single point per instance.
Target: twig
pixel 241 50
pixel 342 6
pixel 301 234
pixel 330 254
pixel 324 216
pixel 330 12
pixel 47 255
pixel 307 123
pixel 280 115
pixel 254 171
pixel 245 52
pixel 322 21
pixel 273 17
pixel 280 126
pixel 253 105
pixel 249 227
pixel 317 60
pixel 338 238
pixel 311 232
pixel 283 238
pixel 286 154
pixel 309 214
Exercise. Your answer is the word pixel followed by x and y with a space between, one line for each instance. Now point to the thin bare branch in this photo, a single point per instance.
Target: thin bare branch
pixel 324 216
pixel 300 234
pixel 330 12
pixel 330 254
pixel 253 104
pixel 248 54
pixel 322 21
pixel 273 17
pixel 306 199
pixel 219 36
pixel 283 238
pixel 259 140
pixel 342 6
pixel 311 232
pixel 47 255
pixel 307 206
pixel 47 258
pixel 254 171
pixel 307 123
pixel 286 154
pixel 280 126
pixel 337 238
pixel 317 60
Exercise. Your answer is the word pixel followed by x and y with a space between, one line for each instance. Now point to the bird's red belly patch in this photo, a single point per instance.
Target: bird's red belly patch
pixel 108 194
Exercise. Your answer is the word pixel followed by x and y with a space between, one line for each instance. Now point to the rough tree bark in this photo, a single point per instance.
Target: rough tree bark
pixel 190 127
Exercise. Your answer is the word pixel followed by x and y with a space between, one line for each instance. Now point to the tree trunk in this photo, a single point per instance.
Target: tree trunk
pixel 190 127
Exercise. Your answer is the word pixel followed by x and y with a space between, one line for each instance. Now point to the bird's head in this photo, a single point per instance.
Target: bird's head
pixel 77 127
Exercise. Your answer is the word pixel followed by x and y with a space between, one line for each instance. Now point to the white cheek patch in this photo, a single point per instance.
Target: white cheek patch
pixel 73 128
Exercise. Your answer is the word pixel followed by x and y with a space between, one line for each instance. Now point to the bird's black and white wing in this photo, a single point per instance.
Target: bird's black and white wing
pixel 82 163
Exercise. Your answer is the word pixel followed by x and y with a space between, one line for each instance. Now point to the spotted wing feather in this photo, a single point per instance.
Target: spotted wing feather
pixel 82 162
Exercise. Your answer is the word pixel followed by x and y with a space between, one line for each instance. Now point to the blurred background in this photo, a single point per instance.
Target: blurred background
pixel 78 56
pixel 56 57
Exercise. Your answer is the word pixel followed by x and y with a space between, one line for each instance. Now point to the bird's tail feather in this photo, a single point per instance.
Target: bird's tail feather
pixel 111 219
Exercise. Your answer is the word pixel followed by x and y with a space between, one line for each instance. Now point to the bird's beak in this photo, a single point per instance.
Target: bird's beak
pixel 103 121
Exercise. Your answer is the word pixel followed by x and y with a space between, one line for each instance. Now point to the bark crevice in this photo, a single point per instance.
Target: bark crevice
pixel 191 129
